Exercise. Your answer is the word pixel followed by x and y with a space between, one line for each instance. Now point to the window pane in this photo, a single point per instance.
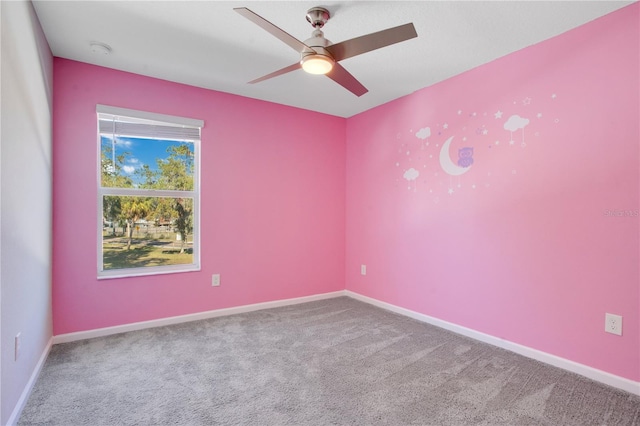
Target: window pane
pixel 146 231
pixel 128 162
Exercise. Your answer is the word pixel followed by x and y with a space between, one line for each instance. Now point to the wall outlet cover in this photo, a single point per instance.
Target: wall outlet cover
pixel 613 324
pixel 17 347
pixel 215 280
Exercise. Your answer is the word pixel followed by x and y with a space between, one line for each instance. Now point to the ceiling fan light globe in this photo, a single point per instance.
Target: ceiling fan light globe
pixel 317 64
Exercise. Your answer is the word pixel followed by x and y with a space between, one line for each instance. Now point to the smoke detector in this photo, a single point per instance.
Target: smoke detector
pixel 100 48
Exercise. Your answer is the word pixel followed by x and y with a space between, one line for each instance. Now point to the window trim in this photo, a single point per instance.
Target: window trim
pixel 194 194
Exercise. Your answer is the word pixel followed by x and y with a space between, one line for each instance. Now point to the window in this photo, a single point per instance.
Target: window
pixel 148 193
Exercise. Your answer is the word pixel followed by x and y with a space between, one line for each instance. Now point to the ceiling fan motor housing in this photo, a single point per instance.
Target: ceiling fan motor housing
pixel 318 43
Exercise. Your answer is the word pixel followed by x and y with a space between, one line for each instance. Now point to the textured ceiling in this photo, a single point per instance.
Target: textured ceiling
pixel 207 44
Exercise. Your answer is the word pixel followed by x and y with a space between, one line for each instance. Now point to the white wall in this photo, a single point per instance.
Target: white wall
pixel 25 199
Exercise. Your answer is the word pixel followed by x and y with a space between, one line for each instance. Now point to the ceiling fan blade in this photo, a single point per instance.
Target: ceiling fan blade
pixel 277 73
pixel 282 35
pixel 366 43
pixel 346 80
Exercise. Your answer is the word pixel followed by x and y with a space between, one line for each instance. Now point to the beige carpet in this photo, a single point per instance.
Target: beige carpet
pixel 332 362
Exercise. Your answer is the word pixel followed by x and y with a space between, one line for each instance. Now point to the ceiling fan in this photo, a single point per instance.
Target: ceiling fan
pixel 319 56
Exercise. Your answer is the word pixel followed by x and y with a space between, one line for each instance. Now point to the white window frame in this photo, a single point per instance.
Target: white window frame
pixel 150 118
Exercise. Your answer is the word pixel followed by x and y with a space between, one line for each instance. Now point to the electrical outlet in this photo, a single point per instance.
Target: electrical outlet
pixel 363 269
pixel 17 347
pixel 215 280
pixel 613 324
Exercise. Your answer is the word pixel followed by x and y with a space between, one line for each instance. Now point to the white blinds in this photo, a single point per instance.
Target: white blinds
pixel 132 123
pixel 149 131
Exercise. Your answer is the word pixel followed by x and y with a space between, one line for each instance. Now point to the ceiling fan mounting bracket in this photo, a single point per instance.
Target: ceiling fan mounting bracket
pixel 318 16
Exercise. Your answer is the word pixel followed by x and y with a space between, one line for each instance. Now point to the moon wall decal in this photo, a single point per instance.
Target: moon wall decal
pixel 445 161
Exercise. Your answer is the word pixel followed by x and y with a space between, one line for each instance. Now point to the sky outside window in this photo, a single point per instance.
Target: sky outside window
pixel 133 154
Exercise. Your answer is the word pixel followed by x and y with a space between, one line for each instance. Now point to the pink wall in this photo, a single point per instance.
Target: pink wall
pixel 519 244
pixel 272 202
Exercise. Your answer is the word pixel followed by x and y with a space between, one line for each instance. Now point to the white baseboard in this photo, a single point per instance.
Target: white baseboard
pixel 556 361
pixel 89 334
pixel 24 397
